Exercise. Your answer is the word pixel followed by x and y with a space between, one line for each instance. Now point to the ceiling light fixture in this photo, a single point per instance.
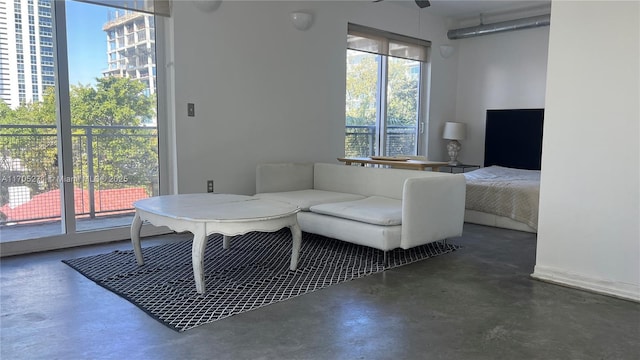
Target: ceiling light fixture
pixel 207 5
pixel 446 50
pixel 421 3
pixel 301 20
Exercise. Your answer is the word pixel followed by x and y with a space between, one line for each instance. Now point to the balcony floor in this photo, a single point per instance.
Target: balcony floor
pixel 37 230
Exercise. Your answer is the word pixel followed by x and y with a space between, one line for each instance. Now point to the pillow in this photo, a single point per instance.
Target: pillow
pixel 375 210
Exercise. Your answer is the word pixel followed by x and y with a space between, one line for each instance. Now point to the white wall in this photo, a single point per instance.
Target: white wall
pixel 499 71
pixel 267 92
pixel 588 233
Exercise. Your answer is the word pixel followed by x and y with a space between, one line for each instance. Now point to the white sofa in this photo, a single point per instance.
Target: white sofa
pixel 377 207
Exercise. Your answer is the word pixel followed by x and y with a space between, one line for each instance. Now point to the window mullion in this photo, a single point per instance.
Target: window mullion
pixel 382 104
pixel 63 120
pixel 420 116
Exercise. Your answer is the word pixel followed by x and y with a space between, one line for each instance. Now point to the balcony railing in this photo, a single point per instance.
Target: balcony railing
pixel 360 140
pixel 113 166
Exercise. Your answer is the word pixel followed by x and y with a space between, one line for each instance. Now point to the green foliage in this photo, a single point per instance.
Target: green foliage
pixel 6 114
pixel 361 105
pixel 28 155
pixel 402 94
pixel 120 157
pixel 114 101
pixel 362 80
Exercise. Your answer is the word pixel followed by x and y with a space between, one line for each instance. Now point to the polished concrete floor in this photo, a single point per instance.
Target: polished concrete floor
pixel 476 303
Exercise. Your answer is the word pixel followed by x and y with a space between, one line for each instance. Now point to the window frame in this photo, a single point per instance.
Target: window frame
pixel 70 236
pixel 382 42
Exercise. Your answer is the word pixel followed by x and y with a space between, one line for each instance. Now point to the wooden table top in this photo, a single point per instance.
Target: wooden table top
pixel 406 164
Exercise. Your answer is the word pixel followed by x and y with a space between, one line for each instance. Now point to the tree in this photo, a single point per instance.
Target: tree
pixel 114 101
pixel 6 114
pixel 106 130
pixel 362 79
pixel 361 103
pixel 402 93
pixel 121 155
pixel 362 82
pixel 29 154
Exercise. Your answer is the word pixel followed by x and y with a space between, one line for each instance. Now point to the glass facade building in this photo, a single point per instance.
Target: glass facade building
pixel 26 43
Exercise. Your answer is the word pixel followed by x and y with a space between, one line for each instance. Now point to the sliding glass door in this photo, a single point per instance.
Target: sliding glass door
pixel 78 117
pixel 112 97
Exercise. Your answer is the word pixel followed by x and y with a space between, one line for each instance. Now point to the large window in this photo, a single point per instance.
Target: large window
pixel 384 87
pixel 79 141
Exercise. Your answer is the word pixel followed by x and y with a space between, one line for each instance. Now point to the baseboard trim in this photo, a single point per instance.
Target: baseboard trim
pixel 612 288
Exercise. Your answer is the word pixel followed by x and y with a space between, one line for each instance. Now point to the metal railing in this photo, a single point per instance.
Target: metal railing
pixel 113 166
pixel 361 140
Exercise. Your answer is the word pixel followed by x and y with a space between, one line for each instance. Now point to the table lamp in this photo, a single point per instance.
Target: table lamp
pixel 454 131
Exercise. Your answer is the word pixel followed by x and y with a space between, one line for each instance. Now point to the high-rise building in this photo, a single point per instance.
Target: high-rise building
pixel 131 47
pixel 26 50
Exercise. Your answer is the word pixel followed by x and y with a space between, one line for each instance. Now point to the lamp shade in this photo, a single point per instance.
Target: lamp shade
pixel 454 131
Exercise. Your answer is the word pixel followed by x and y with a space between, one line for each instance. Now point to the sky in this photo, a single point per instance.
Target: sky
pixel 87 43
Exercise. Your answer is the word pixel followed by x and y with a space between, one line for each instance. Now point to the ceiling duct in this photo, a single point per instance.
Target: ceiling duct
pixel 511 25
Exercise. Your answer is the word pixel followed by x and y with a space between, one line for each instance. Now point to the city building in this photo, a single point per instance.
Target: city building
pixel 26 43
pixel 131 47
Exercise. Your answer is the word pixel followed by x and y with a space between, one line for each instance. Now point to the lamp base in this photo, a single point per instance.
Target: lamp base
pixel 453 147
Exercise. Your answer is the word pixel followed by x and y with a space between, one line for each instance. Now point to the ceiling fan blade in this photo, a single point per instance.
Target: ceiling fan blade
pixel 421 3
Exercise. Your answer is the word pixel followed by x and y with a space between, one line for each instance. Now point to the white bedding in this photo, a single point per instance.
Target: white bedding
pixel 512 193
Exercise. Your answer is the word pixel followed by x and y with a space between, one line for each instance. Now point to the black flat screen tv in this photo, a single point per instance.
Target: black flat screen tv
pixel 513 138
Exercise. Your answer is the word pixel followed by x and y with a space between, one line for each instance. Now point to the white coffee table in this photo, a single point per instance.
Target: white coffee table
pixel 206 214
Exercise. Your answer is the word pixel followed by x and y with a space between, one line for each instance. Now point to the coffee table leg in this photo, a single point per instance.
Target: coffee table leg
pixel 197 257
pixel 296 234
pixel 136 225
pixel 225 241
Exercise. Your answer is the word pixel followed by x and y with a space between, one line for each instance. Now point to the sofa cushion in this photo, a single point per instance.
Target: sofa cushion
pixel 305 199
pixel 375 210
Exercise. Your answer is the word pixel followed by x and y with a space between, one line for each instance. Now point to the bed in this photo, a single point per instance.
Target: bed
pixel 505 192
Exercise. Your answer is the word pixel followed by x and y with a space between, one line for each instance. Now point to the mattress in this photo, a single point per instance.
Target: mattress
pixel 508 192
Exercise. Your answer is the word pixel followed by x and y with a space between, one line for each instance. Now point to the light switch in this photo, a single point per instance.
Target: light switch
pixel 191 109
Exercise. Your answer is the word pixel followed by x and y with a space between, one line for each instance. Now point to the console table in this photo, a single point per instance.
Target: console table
pixel 401 164
pixel 206 214
pixel 463 168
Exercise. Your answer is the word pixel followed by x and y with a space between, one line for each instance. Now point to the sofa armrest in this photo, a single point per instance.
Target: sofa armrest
pixel 284 177
pixel 432 209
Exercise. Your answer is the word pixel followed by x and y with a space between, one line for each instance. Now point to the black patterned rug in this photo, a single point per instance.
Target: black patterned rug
pixel 252 273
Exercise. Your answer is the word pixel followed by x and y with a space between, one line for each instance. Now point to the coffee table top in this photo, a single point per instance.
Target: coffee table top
pixel 209 207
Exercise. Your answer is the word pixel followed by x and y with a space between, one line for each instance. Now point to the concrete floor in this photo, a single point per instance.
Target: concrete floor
pixel 477 303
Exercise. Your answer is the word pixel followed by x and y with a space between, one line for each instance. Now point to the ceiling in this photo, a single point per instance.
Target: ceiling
pixel 460 9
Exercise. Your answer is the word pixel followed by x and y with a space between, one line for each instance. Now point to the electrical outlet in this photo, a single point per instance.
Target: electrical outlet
pixel 210 186
pixel 191 109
